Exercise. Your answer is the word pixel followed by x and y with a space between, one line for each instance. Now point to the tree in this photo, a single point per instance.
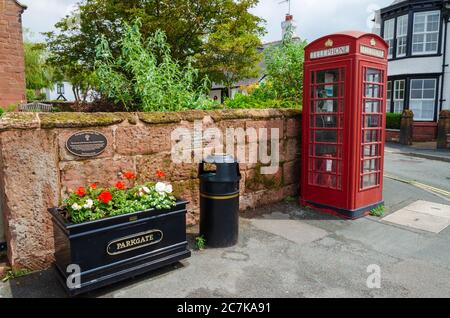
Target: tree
pixel 37 73
pixel 189 26
pixel 231 52
pixel 284 68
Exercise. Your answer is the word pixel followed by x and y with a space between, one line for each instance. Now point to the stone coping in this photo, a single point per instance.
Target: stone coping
pixel 24 120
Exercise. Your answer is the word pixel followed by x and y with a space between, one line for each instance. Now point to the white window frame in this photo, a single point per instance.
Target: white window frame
pixel 426 33
pixel 414 102
pixel 399 95
pixel 389 35
pixel 402 35
pixel 389 96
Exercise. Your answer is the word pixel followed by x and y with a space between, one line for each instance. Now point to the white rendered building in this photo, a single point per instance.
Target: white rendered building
pixel 419 56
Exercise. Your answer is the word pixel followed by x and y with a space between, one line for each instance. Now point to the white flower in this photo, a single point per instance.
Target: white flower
pixel 146 190
pixel 160 187
pixel 169 188
pixel 89 204
pixel 143 191
pixel 76 207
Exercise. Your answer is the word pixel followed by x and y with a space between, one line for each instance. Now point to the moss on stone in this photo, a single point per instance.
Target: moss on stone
pixel 291 112
pixel 193 115
pixel 159 118
pixel 16 120
pixel 407 113
pixel 229 114
pixel 444 114
pixel 268 182
pixel 79 120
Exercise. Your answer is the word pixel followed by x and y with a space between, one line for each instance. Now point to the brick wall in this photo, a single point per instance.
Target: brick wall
pixel 424 131
pixel 36 170
pixel 12 65
pixel 392 135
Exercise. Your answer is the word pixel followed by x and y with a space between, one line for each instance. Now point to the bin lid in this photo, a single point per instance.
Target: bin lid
pixel 220 158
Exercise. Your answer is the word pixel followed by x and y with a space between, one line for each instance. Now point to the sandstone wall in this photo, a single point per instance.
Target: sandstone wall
pixel 12 65
pixel 37 171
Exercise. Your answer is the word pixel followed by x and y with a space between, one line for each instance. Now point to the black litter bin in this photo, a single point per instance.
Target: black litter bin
pixel 219 201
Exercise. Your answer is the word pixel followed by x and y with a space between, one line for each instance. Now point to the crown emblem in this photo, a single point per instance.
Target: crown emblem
pixel 373 42
pixel 329 43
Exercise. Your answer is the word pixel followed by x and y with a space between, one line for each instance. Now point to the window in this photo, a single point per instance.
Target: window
pixel 423 99
pixel 402 35
pixel 389 35
pixel 60 89
pixel 399 96
pixel 426 32
pixel 389 96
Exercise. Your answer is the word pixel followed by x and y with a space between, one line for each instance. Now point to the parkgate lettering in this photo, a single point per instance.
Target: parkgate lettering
pixel 134 242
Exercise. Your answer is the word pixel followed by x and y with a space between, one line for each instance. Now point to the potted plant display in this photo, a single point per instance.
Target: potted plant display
pixel 105 235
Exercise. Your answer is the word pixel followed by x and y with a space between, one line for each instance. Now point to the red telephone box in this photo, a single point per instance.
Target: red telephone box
pixel 344 114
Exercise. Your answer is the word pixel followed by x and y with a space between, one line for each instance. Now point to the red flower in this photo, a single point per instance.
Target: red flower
pixel 129 175
pixel 81 192
pixel 160 174
pixel 105 197
pixel 94 186
pixel 120 185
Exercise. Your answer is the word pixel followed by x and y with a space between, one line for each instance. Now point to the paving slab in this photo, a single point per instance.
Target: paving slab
pixel 292 230
pixel 422 215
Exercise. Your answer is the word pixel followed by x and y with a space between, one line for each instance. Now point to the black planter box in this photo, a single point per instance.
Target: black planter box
pixel 117 248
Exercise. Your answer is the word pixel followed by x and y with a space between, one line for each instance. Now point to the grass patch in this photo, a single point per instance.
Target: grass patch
pixel 13 274
pixel 200 243
pixel 379 211
pixel 290 199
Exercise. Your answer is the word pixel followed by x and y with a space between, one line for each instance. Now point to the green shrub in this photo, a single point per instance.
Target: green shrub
pixel 393 120
pixel 145 77
pixel 2 111
pixel 242 101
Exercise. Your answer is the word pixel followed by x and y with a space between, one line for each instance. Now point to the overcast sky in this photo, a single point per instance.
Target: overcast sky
pixel 314 18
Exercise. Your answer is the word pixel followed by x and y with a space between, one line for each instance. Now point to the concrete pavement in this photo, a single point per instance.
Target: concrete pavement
pixel 287 251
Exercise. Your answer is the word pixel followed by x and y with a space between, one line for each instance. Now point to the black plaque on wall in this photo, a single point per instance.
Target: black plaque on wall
pixel 87 144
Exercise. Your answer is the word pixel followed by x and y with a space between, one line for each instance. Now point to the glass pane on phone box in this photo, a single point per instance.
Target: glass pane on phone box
pixel 369 181
pixel 326 151
pixel 372 106
pixel 325 91
pixel 370 136
pixel 373 90
pixel 370 165
pixel 326 136
pixel 325 165
pixel 324 121
pixel 372 121
pixel 326 106
pixel 324 180
pixel 329 76
pixel 371 151
pixel 373 76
